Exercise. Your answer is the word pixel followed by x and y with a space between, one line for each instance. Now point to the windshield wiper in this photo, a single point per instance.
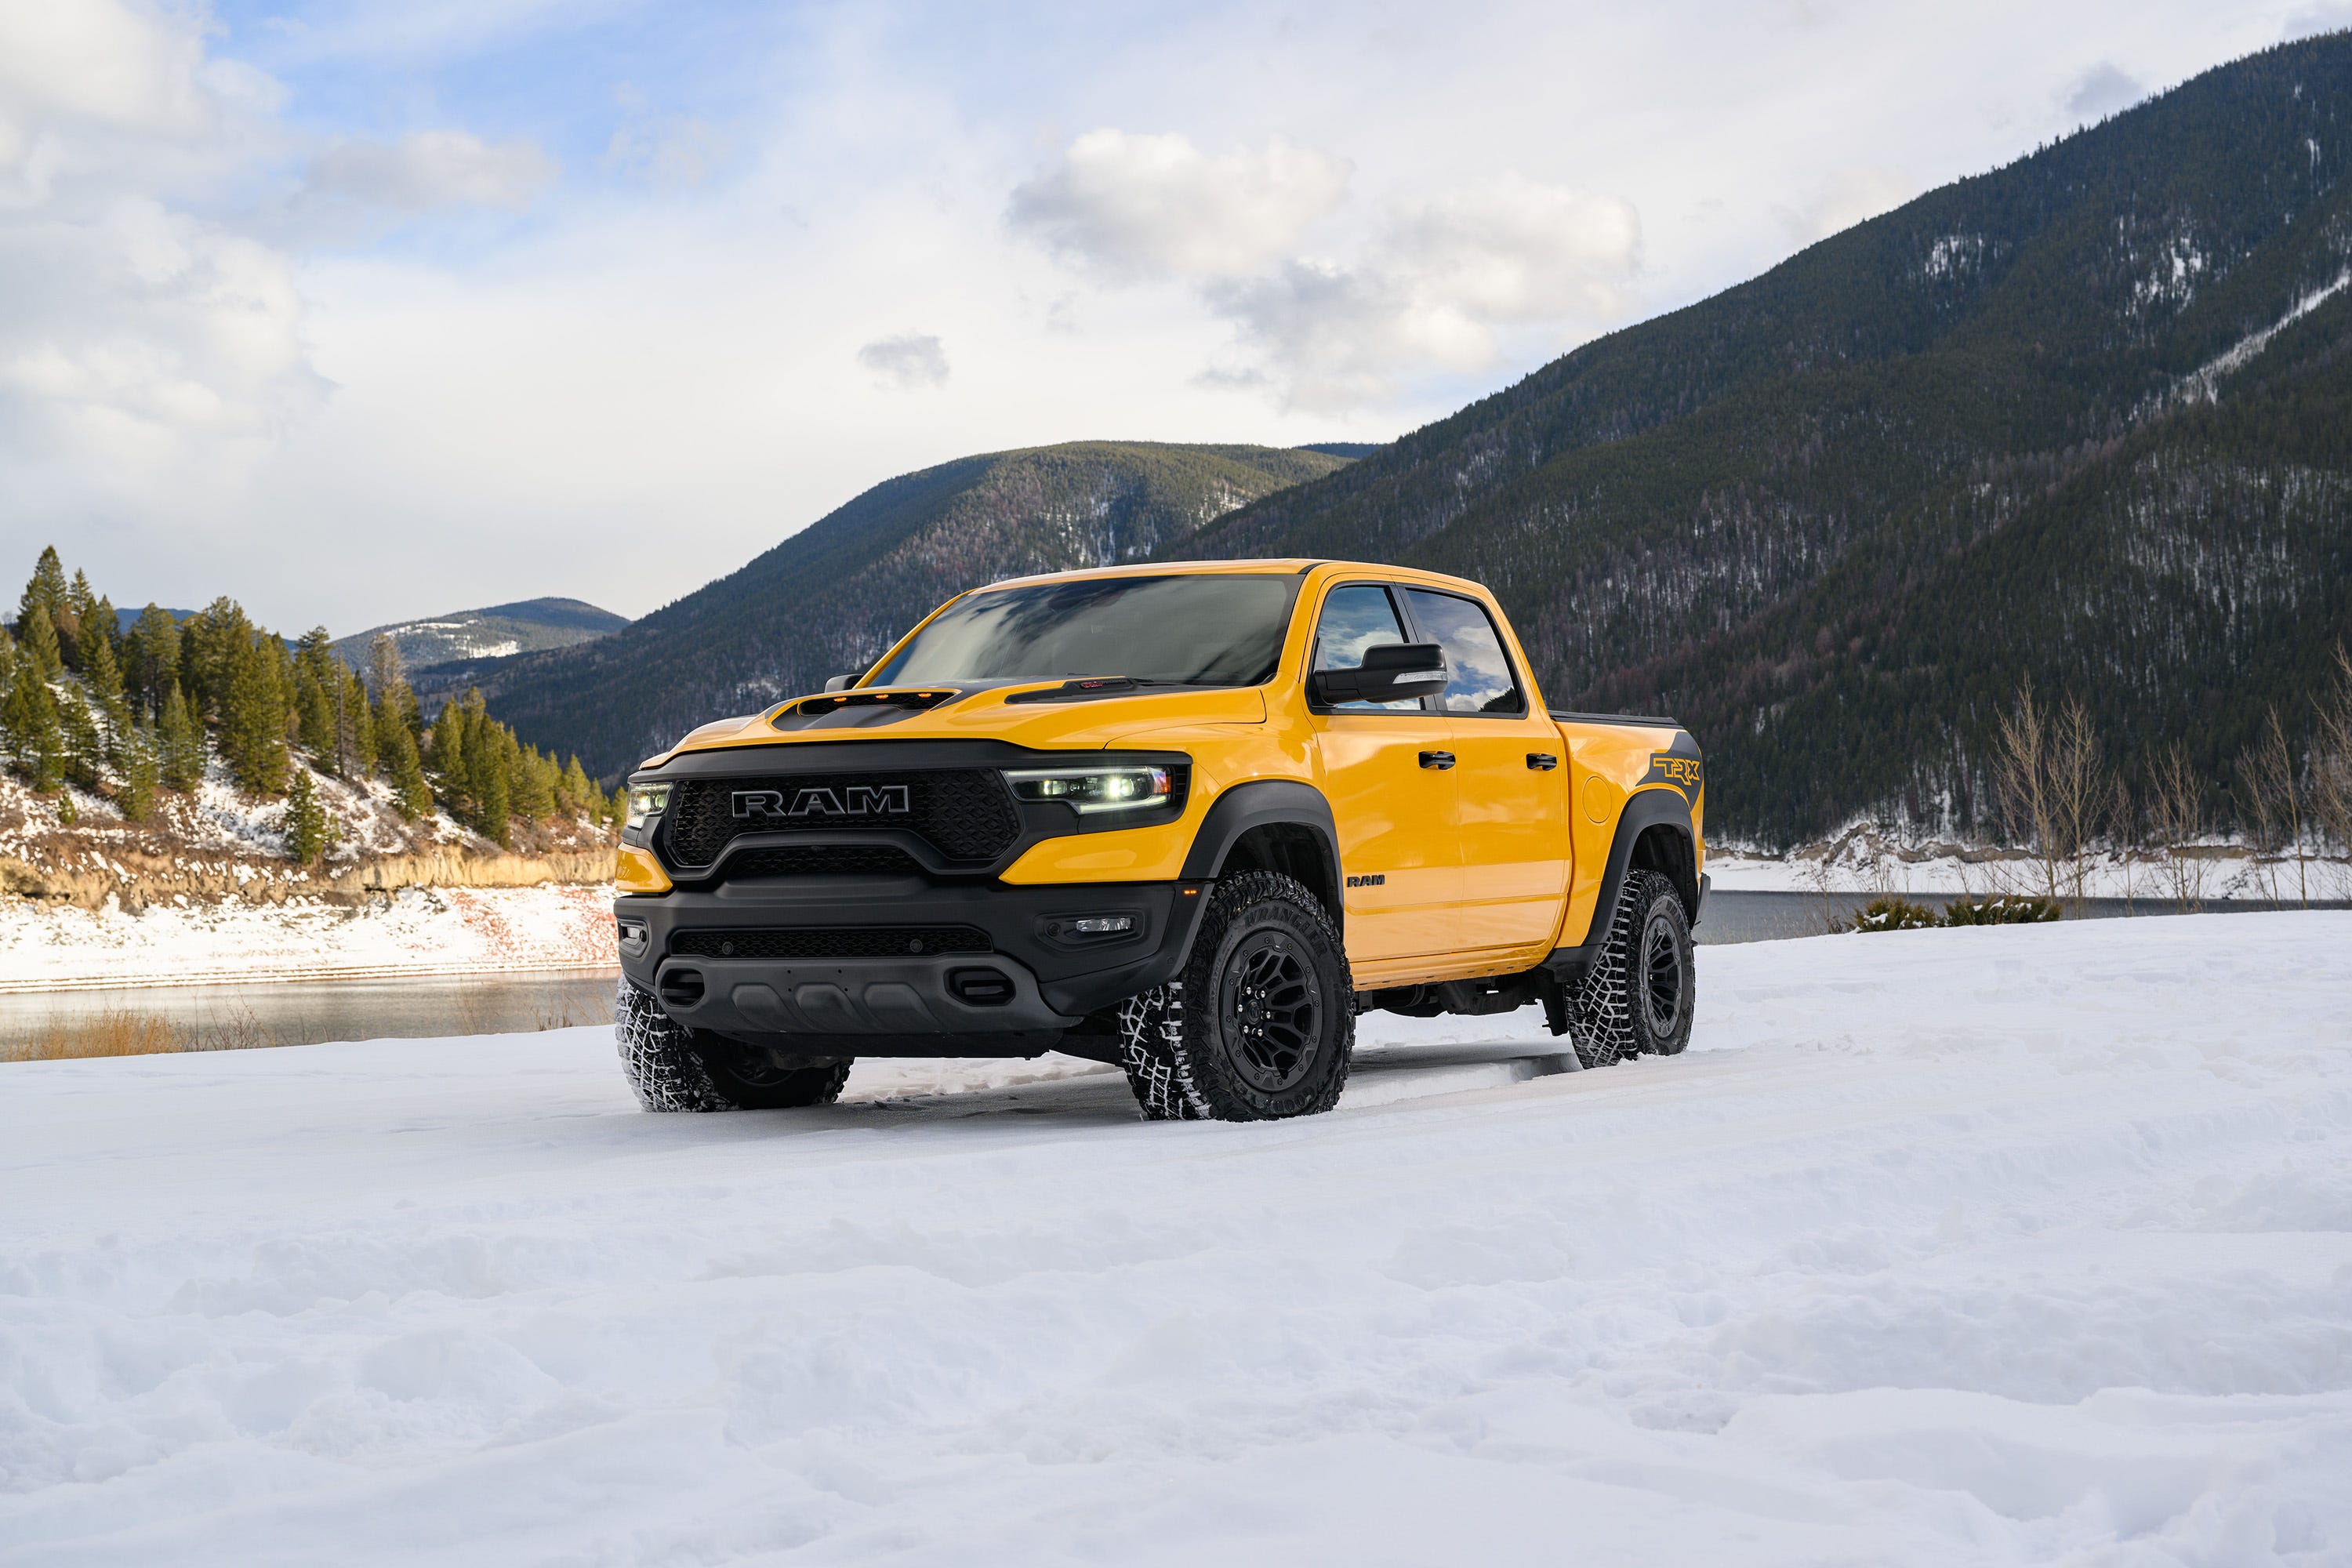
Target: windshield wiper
pixel 1080 688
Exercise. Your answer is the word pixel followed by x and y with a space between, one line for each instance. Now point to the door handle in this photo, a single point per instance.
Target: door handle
pixel 1542 761
pixel 1441 760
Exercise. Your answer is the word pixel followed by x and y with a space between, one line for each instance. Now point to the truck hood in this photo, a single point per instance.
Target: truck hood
pixel 1040 715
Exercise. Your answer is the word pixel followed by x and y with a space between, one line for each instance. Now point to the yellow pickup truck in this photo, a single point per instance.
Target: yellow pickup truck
pixel 1187 819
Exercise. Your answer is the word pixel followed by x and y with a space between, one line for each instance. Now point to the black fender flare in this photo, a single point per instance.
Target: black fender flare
pixel 1644 809
pixel 1265 803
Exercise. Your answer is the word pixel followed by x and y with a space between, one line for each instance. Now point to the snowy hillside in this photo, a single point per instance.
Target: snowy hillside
pixel 2003 1244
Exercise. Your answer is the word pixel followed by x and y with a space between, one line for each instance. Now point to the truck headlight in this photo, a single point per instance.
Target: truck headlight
pixel 1089 790
pixel 646 801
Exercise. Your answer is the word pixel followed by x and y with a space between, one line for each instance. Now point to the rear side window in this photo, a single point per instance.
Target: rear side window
pixel 1480 679
pixel 1357 617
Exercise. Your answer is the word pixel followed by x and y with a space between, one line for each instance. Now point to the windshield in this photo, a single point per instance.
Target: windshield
pixel 1193 631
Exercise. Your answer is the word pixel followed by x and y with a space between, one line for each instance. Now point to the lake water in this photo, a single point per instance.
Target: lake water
pixel 208 1017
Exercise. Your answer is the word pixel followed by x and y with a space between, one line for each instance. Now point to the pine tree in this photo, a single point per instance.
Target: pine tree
pixel 141 772
pixel 82 607
pixel 84 745
pixel 531 791
pixel 445 759
pixel 308 829
pixel 354 725
pixel 253 719
pixel 104 682
pixel 28 726
pixel 38 630
pixel 179 744
pixel 37 611
pixel 493 814
pixel 314 715
pixel 214 638
pixel 152 658
pixel 394 701
pixel 576 795
pixel 412 794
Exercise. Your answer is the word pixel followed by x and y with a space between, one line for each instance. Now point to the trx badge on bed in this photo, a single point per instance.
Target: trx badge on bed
pixel 1683 772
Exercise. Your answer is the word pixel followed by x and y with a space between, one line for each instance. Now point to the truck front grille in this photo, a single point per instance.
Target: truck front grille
pixel 831 941
pixel 965 814
pixel 823 860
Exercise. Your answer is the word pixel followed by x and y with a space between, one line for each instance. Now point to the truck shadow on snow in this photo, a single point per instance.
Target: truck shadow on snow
pixel 886 1094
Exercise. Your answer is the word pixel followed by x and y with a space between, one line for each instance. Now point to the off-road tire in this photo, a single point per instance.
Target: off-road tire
pixel 1149 1027
pixel 1638 995
pixel 1260 1025
pixel 673 1068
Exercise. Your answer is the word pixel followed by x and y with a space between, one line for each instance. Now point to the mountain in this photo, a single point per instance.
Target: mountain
pixel 2085 418
pixel 834 596
pixel 500 631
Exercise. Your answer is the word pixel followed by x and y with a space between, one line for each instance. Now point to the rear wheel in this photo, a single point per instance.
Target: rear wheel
pixel 1639 994
pixel 1262 1022
pixel 673 1068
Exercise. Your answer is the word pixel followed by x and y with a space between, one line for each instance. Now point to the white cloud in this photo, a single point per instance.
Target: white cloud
pixel 1141 204
pixel 672 152
pixel 1432 288
pixel 905 363
pixel 431 168
pixel 1848 196
pixel 2101 91
pixel 136 331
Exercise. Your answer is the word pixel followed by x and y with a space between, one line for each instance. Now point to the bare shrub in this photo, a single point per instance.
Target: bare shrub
pixel 111 1032
pixel 2273 796
pixel 2176 819
pixel 2055 791
pixel 2331 763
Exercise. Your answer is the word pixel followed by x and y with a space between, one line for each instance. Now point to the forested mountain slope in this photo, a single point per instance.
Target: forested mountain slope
pixel 833 596
pixel 494 631
pixel 2087 417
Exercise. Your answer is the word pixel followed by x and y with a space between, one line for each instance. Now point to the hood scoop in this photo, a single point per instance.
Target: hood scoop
pixel 860 709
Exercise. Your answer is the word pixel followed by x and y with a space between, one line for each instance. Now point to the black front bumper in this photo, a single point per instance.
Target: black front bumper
pixel 1038 980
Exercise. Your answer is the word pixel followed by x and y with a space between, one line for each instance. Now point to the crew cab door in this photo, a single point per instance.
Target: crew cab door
pixel 1388 771
pixel 1510 792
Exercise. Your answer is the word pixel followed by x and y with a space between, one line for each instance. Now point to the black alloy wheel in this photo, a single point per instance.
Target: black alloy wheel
pixel 1272 1008
pixel 1662 969
pixel 1259 1024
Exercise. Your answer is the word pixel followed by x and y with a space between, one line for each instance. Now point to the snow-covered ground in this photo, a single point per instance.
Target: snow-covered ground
pixel 417 930
pixel 2014 1244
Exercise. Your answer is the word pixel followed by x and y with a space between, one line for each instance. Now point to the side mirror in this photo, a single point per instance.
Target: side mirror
pixel 1391 673
pixel 840 682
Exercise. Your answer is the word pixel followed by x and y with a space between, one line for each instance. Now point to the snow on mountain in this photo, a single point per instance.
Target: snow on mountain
pixel 2004 1245
pixel 496 631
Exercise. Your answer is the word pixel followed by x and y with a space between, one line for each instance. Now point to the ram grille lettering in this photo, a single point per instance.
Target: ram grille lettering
pixel 820 800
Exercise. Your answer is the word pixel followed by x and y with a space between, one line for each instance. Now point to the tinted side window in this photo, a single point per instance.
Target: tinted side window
pixel 1480 681
pixel 1356 617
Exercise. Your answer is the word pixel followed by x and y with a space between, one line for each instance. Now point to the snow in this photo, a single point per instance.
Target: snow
pixel 2205 381
pixel 1860 863
pixel 1994 1245
pixel 415 930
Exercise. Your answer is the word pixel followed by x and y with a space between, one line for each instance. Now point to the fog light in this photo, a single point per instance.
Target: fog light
pixel 1101 925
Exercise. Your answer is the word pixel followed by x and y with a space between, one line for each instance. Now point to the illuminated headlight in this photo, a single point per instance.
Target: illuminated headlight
pixel 646 801
pixel 1093 789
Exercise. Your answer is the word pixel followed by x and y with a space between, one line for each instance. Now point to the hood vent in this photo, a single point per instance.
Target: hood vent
pixel 860 709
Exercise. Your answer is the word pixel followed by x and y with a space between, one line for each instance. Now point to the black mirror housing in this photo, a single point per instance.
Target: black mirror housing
pixel 840 682
pixel 1390 672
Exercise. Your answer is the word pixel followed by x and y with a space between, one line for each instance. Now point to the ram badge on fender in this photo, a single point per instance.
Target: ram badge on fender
pixel 1189 820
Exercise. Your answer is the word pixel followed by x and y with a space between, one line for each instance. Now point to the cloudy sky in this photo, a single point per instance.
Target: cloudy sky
pixel 365 311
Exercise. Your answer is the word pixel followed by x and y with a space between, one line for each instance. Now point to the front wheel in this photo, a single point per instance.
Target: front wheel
pixel 673 1068
pixel 1262 1022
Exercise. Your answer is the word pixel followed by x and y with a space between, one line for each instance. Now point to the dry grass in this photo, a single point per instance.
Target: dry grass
pixel 116 1032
